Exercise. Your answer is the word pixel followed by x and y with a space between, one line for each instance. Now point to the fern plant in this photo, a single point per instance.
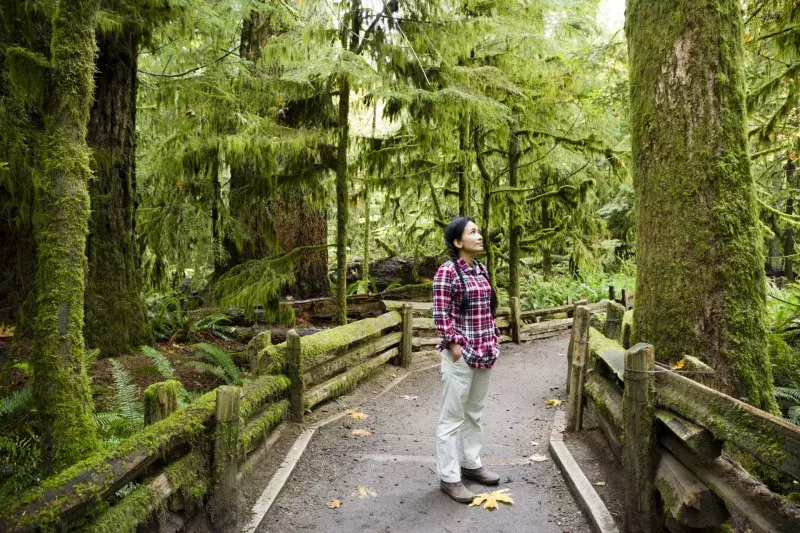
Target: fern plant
pixel 20 463
pixel 218 325
pixel 16 401
pixel 161 363
pixel 219 363
pixel 789 397
pixel 129 417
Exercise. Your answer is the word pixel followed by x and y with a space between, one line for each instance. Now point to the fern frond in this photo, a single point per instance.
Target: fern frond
pixel 162 364
pixel 128 402
pixel 793 415
pixel 786 393
pixel 217 371
pixel 16 401
pixel 221 359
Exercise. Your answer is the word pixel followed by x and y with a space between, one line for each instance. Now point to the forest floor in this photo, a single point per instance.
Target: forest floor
pixel 396 466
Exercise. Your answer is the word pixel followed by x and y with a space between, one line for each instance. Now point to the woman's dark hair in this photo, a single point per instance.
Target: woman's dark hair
pixel 455 231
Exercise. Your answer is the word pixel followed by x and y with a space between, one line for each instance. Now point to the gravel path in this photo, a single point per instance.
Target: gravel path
pixel 397 461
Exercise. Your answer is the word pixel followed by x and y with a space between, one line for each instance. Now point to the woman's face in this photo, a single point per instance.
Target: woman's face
pixel 471 240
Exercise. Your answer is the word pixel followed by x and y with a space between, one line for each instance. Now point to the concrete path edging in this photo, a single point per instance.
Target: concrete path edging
pixel 581 488
pixel 281 476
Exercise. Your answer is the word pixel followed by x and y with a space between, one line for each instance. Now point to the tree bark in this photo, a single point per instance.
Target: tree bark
pixel 700 285
pixel 788 236
pixel 115 315
pixel 514 223
pixel 547 261
pixel 464 193
pixel 61 390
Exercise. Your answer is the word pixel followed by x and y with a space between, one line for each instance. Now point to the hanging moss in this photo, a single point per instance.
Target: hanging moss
pixel 700 281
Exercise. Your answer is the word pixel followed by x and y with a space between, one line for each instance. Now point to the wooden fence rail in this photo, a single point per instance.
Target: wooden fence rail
pixel 688 423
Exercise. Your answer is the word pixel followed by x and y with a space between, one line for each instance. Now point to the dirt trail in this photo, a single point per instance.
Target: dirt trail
pixel 397 461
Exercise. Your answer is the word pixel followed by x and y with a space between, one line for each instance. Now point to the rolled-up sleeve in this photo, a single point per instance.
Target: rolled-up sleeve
pixel 442 302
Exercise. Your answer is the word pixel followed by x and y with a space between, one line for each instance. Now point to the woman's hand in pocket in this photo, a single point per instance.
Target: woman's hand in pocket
pixel 455 349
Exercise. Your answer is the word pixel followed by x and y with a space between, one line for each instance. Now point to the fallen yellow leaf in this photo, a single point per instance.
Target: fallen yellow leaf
pixel 334 504
pixel 362 433
pixel 599 483
pixel 538 458
pixel 6 332
pixel 407 397
pixel 553 403
pixel 364 492
pixel 679 365
pixel 355 415
pixel 491 500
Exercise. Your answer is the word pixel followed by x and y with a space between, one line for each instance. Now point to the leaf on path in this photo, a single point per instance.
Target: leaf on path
pixel 534 443
pixel 678 365
pixel 334 504
pixel 553 403
pixel 538 458
pixel 407 397
pixel 364 492
pixel 355 415
pixel 599 483
pixel 362 433
pixel 491 500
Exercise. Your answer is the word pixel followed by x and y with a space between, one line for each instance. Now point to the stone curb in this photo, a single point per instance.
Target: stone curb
pixel 580 486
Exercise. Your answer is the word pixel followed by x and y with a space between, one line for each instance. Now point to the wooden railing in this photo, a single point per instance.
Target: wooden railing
pixel 200 452
pixel 669 430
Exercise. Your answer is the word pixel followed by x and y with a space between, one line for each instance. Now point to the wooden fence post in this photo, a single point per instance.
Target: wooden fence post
pixel 160 400
pixel 624 299
pixel 258 343
pixel 611 293
pixel 571 312
pixel 516 320
pixel 294 371
pixel 408 332
pixel 639 443
pixel 614 314
pixel 577 372
pixel 224 504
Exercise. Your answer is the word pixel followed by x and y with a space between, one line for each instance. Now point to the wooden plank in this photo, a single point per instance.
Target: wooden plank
pixel 418 342
pixel 577 370
pixel 345 383
pixel 607 352
pixel 335 365
pixel 698 439
pixel 690 502
pixel 420 308
pixel 765 512
pixel 607 427
pixel 547 326
pixel 533 313
pixel 607 396
pixel 424 323
pixel 768 438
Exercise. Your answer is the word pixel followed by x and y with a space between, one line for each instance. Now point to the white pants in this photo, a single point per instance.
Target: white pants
pixel 459 433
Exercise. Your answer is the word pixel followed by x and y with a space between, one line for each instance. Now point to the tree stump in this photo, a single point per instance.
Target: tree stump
pixel 161 400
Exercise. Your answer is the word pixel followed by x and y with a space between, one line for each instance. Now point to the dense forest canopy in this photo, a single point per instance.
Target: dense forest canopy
pixel 166 165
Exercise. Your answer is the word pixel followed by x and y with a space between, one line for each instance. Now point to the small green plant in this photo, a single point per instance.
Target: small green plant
pixel 219 363
pixel 129 417
pixel 20 462
pixel 17 401
pixel 165 314
pixel 790 398
pixel 218 325
pixel 161 363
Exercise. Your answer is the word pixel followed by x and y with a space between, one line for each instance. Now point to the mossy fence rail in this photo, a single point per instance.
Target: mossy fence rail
pixel 199 453
pixel 668 429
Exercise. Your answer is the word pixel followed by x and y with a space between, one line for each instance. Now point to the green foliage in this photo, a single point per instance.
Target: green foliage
pixel 162 364
pixel 536 292
pixel 16 401
pixel 165 314
pixel 20 463
pixel 216 324
pixel 219 363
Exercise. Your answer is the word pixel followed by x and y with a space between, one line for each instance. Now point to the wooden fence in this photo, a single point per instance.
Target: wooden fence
pixel 669 431
pixel 199 453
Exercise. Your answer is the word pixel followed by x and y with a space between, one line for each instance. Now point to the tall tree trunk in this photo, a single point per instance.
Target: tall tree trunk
pixel 350 41
pixel 216 202
pixel 464 193
pixel 367 227
pixel 514 223
pixel 547 261
pixel 342 200
pixel 488 182
pixel 788 236
pixel 115 315
pixel 61 389
pixel 700 285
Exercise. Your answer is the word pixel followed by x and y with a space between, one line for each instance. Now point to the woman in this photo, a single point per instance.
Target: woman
pixel 463 304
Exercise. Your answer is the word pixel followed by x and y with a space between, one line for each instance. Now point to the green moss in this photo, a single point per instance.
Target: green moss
pixel 134 509
pixel 259 428
pixel 422 291
pixel 700 280
pixel 191 475
pixel 599 343
pixel 260 391
pixel 598 321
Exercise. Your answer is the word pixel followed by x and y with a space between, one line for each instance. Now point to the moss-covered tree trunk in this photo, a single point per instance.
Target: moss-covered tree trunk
pixel 367 228
pixel 486 207
pixel 464 193
pixel 61 389
pixel 700 285
pixel 788 236
pixel 547 261
pixel 514 222
pixel 115 315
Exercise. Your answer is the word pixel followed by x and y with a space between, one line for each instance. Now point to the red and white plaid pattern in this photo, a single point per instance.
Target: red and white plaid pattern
pixel 475 330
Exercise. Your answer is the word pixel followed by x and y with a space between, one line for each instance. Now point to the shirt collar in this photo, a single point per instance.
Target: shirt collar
pixel 465 266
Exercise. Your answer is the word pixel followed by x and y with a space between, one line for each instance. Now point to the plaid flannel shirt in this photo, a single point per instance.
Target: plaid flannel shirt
pixel 475 330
